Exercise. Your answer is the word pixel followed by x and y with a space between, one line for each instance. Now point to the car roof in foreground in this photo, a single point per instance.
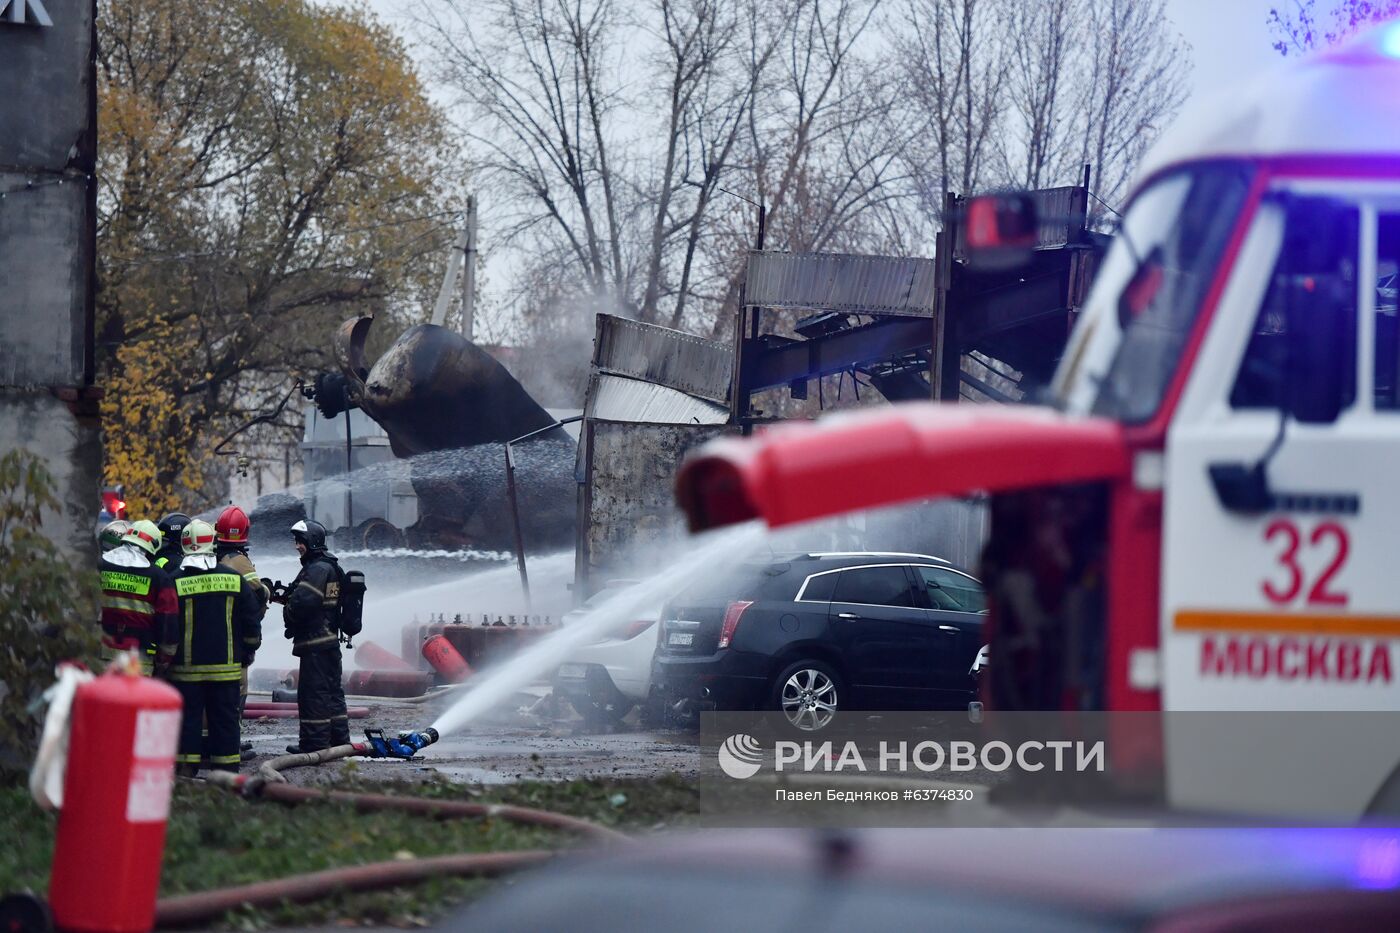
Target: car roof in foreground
pixel 862 555
pixel 1115 875
pixel 832 559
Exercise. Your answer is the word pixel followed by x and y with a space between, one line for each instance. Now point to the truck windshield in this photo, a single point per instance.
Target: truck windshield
pixel 1149 292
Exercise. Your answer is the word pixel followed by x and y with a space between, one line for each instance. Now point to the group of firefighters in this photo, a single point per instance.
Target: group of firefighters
pixel 184 596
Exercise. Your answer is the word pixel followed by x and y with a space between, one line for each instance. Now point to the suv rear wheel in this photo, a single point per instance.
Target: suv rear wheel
pixel 808 694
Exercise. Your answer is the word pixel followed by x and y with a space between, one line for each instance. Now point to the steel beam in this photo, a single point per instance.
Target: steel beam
pixel 838 352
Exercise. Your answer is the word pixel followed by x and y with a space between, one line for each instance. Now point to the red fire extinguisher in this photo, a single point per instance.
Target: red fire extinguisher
pixel 445 659
pixel 116 795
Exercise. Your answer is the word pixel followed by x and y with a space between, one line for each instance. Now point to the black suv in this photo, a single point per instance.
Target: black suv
pixel 810 634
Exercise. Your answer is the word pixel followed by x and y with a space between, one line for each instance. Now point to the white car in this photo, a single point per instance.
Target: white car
pixel 605 679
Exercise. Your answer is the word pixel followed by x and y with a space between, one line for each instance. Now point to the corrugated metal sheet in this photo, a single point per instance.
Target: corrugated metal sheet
pixel 618 398
pixel 1061 211
pixel 663 356
pixel 840 282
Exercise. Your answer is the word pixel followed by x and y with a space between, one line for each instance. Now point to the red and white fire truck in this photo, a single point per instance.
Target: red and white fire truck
pixel 1208 519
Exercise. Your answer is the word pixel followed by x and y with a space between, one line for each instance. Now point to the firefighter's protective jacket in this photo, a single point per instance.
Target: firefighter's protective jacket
pixel 220 623
pixel 312 613
pixel 169 556
pixel 237 559
pixel 138 605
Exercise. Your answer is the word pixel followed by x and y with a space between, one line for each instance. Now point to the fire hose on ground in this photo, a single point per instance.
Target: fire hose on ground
pixel 267 710
pixel 269 783
pixel 189 909
pixel 123 723
pixel 433 694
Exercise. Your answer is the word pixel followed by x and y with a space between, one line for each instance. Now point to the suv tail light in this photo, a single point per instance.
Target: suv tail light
pixel 636 628
pixel 732 614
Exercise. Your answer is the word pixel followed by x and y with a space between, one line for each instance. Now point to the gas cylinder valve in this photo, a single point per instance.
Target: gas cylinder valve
pixel 405 745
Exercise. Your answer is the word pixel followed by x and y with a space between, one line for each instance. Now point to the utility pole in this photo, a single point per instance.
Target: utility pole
pixel 349 481
pixel 469 273
pixel 449 278
pixel 945 362
pixel 746 331
pixel 512 497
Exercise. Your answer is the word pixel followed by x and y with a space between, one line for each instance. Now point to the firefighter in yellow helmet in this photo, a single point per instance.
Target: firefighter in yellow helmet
pixel 138 599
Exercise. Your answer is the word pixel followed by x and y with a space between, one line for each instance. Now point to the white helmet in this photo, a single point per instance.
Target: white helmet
pixel 197 537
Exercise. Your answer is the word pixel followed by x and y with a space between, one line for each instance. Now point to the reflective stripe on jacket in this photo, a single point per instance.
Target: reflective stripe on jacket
pixel 312 613
pixel 219 624
pixel 138 606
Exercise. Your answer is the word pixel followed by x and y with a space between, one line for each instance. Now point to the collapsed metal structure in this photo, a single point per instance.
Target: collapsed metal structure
pixel 911 328
pixel 920 328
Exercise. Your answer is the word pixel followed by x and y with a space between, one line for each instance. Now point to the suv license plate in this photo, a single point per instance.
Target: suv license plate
pixel 573 671
pixel 681 638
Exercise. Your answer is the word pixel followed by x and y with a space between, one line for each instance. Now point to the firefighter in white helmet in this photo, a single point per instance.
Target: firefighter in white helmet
pixel 220 625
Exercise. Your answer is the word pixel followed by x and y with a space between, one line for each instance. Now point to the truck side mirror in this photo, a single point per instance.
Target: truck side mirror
pixel 1001 230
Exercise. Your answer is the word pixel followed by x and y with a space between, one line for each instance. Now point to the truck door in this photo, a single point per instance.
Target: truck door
pixel 1279 590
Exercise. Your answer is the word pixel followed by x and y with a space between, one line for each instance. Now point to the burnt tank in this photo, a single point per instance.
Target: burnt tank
pixel 448 407
pixel 434 389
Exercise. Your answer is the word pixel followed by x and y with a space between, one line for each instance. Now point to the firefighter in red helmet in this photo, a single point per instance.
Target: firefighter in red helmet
pixel 231 548
pixel 231 531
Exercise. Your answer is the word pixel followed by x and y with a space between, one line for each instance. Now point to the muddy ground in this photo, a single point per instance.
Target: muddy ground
pixel 513 745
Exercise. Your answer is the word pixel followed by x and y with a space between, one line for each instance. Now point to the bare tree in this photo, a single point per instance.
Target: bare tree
pixel 953 59
pixel 540 90
pixel 609 161
pixel 1298 30
pixel 1136 83
pixel 613 138
pixel 1044 90
pixel 717 59
pixel 1023 95
pixel 822 151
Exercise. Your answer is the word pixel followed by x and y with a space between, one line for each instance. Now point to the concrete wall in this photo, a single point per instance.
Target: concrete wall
pixel 630 521
pixel 45 112
pixel 71 449
pixel 47 238
pixel 44 327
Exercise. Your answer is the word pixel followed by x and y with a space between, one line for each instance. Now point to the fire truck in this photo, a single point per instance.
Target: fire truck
pixel 1207 518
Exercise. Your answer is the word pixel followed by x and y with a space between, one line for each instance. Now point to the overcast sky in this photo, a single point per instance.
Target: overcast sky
pixel 1230 39
pixel 1230 44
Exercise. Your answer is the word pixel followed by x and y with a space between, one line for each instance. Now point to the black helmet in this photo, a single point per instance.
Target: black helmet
pixel 312 534
pixel 171 525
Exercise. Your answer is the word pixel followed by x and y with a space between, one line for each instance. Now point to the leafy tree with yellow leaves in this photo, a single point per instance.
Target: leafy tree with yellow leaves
pixel 266 169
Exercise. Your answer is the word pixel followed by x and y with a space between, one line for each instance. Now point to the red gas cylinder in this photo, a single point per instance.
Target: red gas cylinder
pixel 371 657
pixel 445 659
pixel 387 683
pixel 116 795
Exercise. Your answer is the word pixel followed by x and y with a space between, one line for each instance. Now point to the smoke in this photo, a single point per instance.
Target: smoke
pixel 554 348
pixel 397 594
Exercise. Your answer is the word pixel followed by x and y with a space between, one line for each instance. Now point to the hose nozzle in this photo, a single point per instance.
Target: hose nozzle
pixel 405 746
pixel 418 740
